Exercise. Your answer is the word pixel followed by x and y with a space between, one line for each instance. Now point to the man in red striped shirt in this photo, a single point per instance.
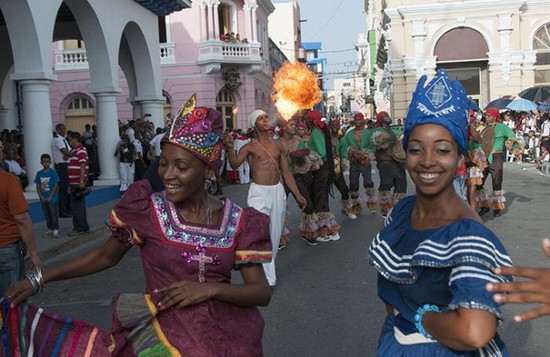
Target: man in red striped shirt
pixel 78 177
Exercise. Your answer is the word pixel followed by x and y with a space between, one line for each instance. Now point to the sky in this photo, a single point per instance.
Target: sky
pixel 335 23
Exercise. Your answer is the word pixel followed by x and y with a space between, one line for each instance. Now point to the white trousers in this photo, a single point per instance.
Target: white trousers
pixel 126 170
pixel 270 200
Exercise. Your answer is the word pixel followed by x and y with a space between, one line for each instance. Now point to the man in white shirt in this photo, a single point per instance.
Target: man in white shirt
pixel 545 132
pixel 61 151
pixel 130 131
pixel 154 144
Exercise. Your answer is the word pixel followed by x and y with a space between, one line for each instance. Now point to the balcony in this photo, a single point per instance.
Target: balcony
pixel 213 54
pixel 74 60
pixel 70 60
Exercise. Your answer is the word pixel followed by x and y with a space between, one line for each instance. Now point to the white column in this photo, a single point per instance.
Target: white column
pixel 210 28
pixel 107 136
pixel 215 6
pixel 136 109
pixel 203 17
pixel 419 36
pixel 155 107
pixel 168 25
pixel 254 25
pixel 37 124
pixel 247 22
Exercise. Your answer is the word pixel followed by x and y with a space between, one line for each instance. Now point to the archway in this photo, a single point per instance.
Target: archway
pixel 541 43
pixel 463 53
pixel 79 111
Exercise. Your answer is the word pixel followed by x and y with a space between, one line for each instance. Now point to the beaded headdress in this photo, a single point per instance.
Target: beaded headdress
pixel 198 130
pixel 442 101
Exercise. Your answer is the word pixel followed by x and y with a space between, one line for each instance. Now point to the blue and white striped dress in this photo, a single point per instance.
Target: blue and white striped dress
pixel 448 267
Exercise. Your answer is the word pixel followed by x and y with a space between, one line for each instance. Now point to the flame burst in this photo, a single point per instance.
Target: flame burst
pixel 295 87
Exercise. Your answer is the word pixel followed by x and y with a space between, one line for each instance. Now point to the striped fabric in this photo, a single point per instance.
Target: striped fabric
pixel 30 331
pixel 79 155
pixel 398 267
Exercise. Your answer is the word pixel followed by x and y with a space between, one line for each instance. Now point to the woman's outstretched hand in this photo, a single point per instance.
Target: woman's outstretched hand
pixel 533 291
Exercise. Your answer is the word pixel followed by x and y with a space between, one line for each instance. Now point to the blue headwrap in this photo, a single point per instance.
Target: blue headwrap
pixel 443 101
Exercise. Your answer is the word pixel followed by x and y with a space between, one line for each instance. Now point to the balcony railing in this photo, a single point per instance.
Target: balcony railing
pixel 217 52
pixel 71 60
pixel 167 53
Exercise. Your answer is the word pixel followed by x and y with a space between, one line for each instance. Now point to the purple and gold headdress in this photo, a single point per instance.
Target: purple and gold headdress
pixel 442 101
pixel 198 130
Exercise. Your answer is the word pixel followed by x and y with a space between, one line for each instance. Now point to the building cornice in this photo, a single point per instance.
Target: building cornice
pixel 479 7
pixel 267 5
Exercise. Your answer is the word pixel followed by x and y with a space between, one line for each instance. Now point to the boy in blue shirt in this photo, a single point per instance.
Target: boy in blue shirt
pixel 47 186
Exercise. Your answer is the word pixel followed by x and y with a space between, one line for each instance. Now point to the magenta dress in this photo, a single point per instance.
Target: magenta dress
pixel 171 251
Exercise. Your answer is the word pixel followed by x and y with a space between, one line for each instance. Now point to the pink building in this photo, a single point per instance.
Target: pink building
pixel 214 48
pixel 105 62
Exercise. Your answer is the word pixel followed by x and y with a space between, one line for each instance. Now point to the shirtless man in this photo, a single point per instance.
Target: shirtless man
pixel 269 166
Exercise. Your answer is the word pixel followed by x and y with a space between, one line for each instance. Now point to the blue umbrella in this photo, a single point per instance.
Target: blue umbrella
pixel 536 94
pixel 521 105
pixel 499 103
pixel 544 106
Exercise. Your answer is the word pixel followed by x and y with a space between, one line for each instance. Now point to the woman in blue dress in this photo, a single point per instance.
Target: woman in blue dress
pixel 435 256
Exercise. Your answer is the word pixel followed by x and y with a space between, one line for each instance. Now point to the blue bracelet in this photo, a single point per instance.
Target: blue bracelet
pixel 418 319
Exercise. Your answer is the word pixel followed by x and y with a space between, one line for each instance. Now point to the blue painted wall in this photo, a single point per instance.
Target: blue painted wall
pixel 97 197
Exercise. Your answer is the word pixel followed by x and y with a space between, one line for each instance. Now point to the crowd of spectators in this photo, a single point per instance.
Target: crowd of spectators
pixel 532 134
pixel 233 38
pixel 14 155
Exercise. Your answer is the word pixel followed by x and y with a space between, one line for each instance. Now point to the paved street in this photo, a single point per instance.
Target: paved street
pixel 325 303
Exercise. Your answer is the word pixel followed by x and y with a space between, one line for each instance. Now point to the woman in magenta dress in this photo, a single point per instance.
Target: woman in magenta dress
pixel 190 242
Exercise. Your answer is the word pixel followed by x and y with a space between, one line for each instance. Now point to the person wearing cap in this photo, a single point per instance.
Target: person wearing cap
pixel 317 222
pixel 269 168
pixel 493 137
pixel 346 203
pixel 358 150
pixel 435 256
pixel 190 242
pixel 392 174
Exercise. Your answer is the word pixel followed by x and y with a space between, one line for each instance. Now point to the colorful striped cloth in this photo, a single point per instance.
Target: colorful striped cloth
pixel 28 330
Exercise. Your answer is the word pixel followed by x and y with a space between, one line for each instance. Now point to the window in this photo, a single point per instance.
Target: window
pixel 79 112
pixel 541 43
pixel 469 77
pixel 73 44
pixel 80 105
pixel 224 18
pixel 225 104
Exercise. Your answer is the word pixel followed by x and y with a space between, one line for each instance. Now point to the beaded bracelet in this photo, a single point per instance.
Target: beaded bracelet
pixel 36 279
pixel 418 319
